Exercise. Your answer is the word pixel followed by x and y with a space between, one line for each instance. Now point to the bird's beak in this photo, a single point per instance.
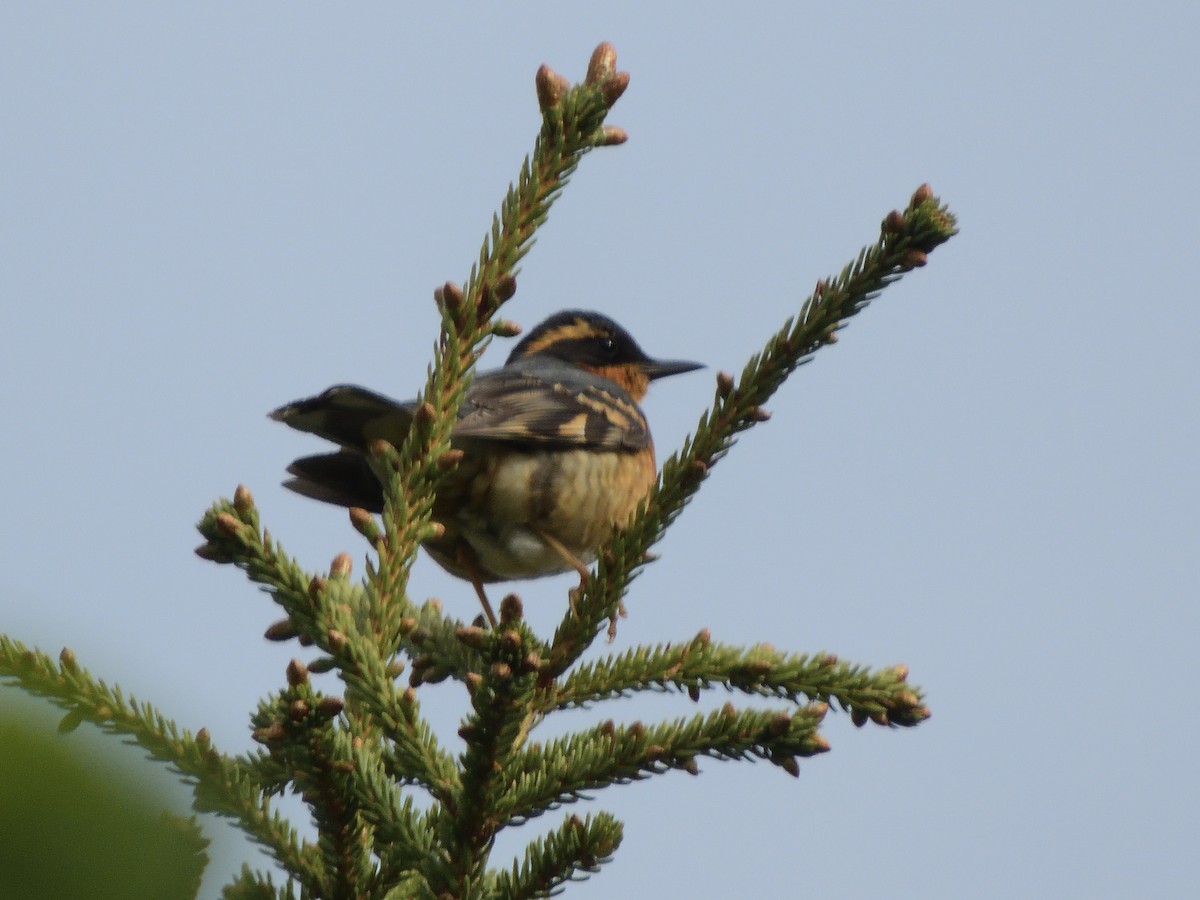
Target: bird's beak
pixel 661 368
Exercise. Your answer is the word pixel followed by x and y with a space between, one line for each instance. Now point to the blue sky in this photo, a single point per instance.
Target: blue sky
pixel 207 210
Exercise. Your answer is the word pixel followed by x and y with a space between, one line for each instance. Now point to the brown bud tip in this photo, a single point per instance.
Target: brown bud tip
pixel 203 738
pixel 229 524
pixel 363 521
pixel 829 659
pixel 699 468
pixel 297 673
pixel 298 710
pixel 341 566
pixel 283 630
pixel 321 665
pixel 505 328
pixel 858 717
pixel 818 744
pixel 614 87
pixel 504 288
pixel 531 663
pixel 612 136
pixel 907 700
pixel 425 415
pixel 601 65
pixel 694 692
pixel 434 531
pixel 270 734
pixel 914 259
pixel 510 640
pixel 449 295
pixel 336 639
pixel 395 669
pixel 316 586
pixel 550 87
pixel 449 459
pixel 920 195
pixel 724 384
pixel 900 672
pixel 70 722
pixel 67 658
pixel 466 732
pixel 379 447
pixel 780 724
pixel 637 730
pixel 501 671
pixel 818 710
pixel 608 728
pixel 879 717
pixel 472 636
pixel 893 223
pixel 511 609
pixel 304 640
pixel 655 751
pixel 331 706
pixel 691 767
pixel 409 697
pixel 789 765
pixel 760 414
pixel 243 500
pixel 703 638
pixel 209 552
pixel 472 680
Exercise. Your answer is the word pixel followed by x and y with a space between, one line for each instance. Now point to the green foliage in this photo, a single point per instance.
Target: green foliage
pixel 75 826
pixel 361 761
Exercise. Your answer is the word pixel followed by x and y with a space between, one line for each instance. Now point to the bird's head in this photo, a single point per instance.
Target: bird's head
pixel 598 344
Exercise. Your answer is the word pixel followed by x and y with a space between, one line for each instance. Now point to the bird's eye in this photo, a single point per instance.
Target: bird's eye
pixel 608 347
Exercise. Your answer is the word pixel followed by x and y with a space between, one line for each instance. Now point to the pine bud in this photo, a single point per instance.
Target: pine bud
pixel 920 195
pixel 243 500
pixel 551 87
pixel 601 65
pixel 283 630
pixel 511 609
pixel 331 707
pixel 297 673
pixel 341 566
pixel 893 223
pixel 724 384
pixel 612 136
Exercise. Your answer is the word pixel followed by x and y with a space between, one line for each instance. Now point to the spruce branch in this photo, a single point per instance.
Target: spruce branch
pixel 572 124
pixel 574 850
pixel 563 770
pixel 905 241
pixel 883 696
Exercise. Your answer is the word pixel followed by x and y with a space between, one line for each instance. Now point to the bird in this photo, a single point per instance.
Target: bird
pixel 556 452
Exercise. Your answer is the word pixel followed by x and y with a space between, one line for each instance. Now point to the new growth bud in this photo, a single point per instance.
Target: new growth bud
pixel 551 87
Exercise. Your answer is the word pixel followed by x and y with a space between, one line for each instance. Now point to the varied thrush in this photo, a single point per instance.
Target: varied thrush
pixel 557 453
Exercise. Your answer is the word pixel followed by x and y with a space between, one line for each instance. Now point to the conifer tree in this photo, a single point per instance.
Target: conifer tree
pixel 362 757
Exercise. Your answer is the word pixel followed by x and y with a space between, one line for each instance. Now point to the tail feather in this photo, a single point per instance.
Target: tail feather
pixel 349 416
pixel 343 478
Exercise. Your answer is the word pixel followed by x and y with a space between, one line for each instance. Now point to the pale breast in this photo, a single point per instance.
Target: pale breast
pixel 577 497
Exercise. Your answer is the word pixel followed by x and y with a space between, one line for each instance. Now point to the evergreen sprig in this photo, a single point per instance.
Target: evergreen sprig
pixel 396 814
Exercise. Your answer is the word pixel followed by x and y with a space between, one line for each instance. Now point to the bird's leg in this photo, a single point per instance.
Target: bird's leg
pixel 467 559
pixel 571 560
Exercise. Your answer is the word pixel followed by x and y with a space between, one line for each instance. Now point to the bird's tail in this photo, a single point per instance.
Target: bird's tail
pixel 349 416
pixel 343 478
